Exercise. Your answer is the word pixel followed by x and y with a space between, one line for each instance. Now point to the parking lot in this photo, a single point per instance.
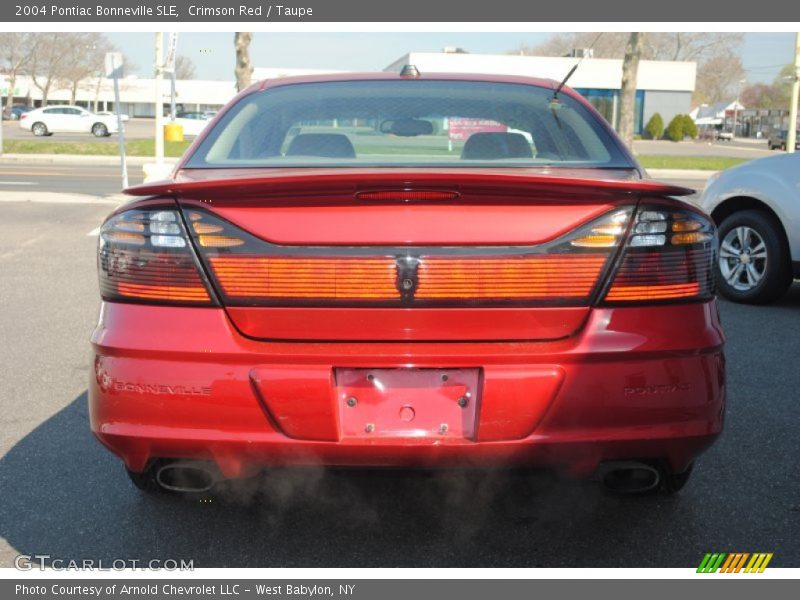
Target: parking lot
pixel 65 496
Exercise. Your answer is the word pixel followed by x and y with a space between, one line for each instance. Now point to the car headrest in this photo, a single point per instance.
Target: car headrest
pixel 327 145
pixel 496 145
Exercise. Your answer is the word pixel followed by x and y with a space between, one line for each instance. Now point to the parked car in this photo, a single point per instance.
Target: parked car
pixel 725 136
pixel 757 209
pixel 328 298
pixel 67 119
pixel 193 123
pixel 777 140
pixel 123 117
pixel 13 112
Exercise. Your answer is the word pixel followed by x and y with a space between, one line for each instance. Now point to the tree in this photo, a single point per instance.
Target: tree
pixel 655 127
pixel 718 79
pixel 627 100
pixel 763 95
pixel 244 69
pixel 184 67
pixel 16 54
pixel 675 130
pixel 49 60
pixel 86 58
pixel 689 126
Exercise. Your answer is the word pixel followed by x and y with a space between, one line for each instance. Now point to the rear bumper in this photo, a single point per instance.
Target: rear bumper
pixel 183 383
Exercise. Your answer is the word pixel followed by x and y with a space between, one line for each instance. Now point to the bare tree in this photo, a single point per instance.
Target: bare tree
pixel 184 67
pixel 16 55
pixel 49 60
pixel 86 59
pixel 244 69
pixel 627 104
pixel 719 78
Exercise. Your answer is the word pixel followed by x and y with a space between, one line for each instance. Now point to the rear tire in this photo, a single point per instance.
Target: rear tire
pixel 754 265
pixel 39 129
pixel 100 130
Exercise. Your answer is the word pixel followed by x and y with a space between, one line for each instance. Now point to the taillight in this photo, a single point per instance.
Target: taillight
pixel 669 256
pixel 248 271
pixel 145 256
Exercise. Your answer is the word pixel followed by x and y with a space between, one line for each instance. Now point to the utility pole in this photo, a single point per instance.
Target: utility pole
pixel 791 131
pixel 736 105
pixel 159 99
pixel 10 93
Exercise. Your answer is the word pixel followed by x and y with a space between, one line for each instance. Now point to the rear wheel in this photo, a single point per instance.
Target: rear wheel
pixel 100 130
pixel 39 129
pixel 754 265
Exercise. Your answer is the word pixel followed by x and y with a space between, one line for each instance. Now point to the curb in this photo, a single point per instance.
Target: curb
pixel 680 174
pixel 80 159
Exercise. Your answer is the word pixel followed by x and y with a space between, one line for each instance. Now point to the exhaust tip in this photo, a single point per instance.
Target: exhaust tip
pixel 187 477
pixel 630 477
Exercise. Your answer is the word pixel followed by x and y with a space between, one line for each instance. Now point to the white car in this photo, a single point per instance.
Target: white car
pixel 757 209
pixel 67 119
pixel 123 116
pixel 193 123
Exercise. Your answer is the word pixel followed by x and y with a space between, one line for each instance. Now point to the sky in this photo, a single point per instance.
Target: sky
pixel 763 54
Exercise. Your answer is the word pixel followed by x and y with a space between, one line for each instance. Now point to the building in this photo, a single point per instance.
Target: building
pixel 136 94
pixel 663 87
pixel 718 117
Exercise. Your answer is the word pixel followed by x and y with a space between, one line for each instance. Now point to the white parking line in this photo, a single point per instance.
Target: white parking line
pixel 94 232
pixel 18 183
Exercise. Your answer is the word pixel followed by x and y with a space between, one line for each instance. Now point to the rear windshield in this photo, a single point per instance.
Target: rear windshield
pixel 403 123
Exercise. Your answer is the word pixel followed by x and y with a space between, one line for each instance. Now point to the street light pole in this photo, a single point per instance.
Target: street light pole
pixel 791 132
pixel 736 106
pixel 10 91
pixel 159 98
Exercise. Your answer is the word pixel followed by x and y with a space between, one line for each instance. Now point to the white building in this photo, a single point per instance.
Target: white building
pixel 137 95
pixel 663 87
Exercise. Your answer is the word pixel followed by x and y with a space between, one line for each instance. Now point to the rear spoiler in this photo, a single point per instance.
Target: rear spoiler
pixel 239 183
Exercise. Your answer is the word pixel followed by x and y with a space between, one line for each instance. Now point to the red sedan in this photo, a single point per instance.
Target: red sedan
pixel 419 270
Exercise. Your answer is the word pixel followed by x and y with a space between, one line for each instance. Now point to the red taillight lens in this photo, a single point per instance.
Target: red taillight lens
pixel 248 271
pixel 537 277
pixel 145 256
pixel 331 278
pixel 669 257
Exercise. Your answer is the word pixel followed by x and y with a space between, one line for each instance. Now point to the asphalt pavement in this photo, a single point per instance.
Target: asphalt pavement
pixel 95 180
pixel 64 495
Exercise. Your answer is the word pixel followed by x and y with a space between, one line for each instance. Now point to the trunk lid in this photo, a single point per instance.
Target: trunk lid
pixel 404 255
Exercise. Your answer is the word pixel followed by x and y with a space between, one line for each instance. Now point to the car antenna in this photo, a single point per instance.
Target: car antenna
pixel 573 69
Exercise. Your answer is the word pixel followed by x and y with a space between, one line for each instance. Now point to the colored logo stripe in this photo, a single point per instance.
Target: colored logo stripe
pixel 734 562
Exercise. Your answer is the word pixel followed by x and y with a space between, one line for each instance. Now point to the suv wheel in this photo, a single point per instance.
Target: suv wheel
pixel 754 266
pixel 39 129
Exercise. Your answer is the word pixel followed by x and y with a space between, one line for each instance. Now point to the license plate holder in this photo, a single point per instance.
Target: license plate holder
pixel 408 403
